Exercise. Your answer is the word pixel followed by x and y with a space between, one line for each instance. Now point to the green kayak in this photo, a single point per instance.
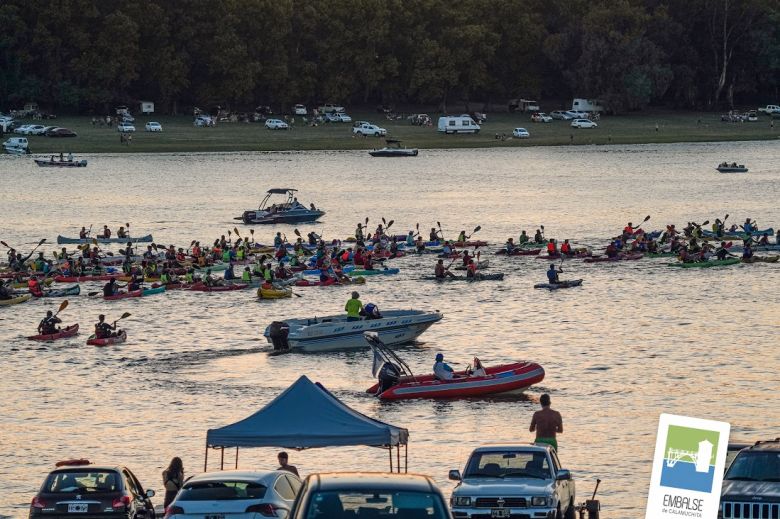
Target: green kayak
pixel 706 264
pixel 375 272
pixel 153 291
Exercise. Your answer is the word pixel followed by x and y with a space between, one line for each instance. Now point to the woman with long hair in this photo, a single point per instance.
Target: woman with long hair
pixel 173 479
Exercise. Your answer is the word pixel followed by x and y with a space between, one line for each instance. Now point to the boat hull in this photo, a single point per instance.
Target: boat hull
pixel 122 337
pixel 141 239
pixel 61 164
pixel 394 152
pixel 70 331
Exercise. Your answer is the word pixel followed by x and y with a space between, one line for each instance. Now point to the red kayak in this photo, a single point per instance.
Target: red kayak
pixel 622 257
pixel 519 252
pixel 77 279
pixel 307 283
pixel 505 378
pixel 124 295
pixel 174 286
pixel 70 331
pixel 567 256
pixel 200 287
pixel 476 243
pixel 122 337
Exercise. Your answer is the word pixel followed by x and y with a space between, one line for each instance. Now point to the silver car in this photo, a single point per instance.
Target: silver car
pixel 233 494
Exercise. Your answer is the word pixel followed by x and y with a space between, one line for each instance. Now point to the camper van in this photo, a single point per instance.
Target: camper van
pixel 586 105
pixel 458 124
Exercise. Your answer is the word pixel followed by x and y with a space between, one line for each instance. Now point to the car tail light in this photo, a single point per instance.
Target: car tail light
pixel 121 502
pixel 173 510
pixel 266 510
pixel 37 502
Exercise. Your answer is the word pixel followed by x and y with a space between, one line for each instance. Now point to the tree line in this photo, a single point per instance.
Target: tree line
pixel 86 55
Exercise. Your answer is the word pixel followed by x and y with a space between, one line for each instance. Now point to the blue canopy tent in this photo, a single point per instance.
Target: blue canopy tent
pixel 305 416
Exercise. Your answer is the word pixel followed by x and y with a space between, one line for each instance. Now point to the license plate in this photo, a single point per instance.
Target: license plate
pixel 78 509
pixel 215 516
pixel 499 512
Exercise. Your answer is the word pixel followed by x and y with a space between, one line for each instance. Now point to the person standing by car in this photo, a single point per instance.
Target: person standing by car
pixel 284 465
pixel 547 423
pixel 173 479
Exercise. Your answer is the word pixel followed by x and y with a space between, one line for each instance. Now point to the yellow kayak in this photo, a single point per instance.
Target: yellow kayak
pixel 274 293
pixel 15 300
pixel 23 284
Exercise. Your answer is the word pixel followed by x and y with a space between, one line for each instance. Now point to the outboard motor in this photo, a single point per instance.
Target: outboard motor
pixel 248 216
pixel 278 331
pixel 388 376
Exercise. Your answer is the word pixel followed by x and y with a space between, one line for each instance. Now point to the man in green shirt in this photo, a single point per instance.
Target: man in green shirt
pixel 353 307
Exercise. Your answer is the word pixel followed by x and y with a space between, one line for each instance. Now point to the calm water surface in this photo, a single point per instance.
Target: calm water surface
pixel 636 340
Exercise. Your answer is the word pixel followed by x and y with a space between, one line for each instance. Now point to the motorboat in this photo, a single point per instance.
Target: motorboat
pixel 334 332
pixel 16 150
pixel 732 168
pixel 290 211
pixel 397 382
pixel 393 149
pixel 61 163
pixel 141 239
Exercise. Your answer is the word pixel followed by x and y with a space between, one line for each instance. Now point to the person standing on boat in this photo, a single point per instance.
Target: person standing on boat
pixel 354 307
pixel 70 157
pixel 547 423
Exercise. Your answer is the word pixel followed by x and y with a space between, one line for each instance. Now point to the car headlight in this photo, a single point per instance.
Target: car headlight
pixel 461 501
pixel 539 501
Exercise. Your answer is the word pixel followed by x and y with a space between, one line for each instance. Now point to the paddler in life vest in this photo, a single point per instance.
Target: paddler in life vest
pixel 103 330
pixel 749 226
pixel 628 230
pixel 34 286
pixel 722 252
pixel 210 281
pixel 524 238
pixel 441 370
pixel 747 251
pixel 441 271
pixel 552 274
pixel 552 248
pixel 246 276
pixel 566 248
pixel 462 237
pixel 359 232
pixel 471 269
pixel 612 250
pixel 538 237
pixel 446 250
pixel 410 239
pixel 278 241
pixel 48 324
pixel 229 274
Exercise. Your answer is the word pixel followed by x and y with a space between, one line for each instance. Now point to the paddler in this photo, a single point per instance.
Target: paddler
pixel 48 324
pixel 471 269
pixel 764 240
pixel 6 292
pixel 749 226
pixel 246 276
pixel 552 248
pixel 420 245
pixel 466 258
pixel 210 281
pixel 433 235
pixel 510 245
pixel 446 249
pixel 566 248
pixel 103 330
pixel 106 232
pixel 83 233
pixel 410 239
pixel 40 261
pixel 461 237
pixel 524 238
pixel 552 274
pixel 359 232
pixel 628 230
pixel 538 236
pixel 612 250
pixel 110 288
pixel 747 251
pixel 34 286
pixel 229 275
pixel 278 241
pixel 441 271
pixel 722 252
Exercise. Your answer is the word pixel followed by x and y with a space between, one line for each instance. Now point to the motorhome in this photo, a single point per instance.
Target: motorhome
pixel 586 105
pixel 458 124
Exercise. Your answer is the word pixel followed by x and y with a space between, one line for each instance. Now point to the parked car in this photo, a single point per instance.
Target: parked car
pixel 369 129
pixel 420 119
pixel 390 496
pixel 577 115
pixel 152 126
pixel 330 108
pixel 300 110
pixel 37 129
pixel 583 123
pixel 520 133
pixel 203 120
pixel 541 117
pixel 751 486
pixel 78 488
pixel 338 117
pixel 60 132
pixel 22 130
pixel 237 493
pixel 513 481
pixel 124 127
pixel 276 124
pixel 561 115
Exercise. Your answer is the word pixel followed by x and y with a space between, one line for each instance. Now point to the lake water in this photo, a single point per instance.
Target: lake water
pixel 637 339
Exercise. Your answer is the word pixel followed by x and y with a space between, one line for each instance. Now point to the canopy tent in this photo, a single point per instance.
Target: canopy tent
pixel 305 416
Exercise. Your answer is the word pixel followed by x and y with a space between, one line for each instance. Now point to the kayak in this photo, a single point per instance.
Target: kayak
pixel 317 272
pixel 79 279
pixel 15 300
pixel 475 243
pixel 69 331
pixel 480 265
pixel 273 293
pixel 173 286
pixel 374 272
pixel 201 287
pixel 332 282
pixel 562 284
pixel 61 292
pixel 153 290
pixel 761 259
pixel 23 284
pixel 145 239
pixel 518 252
pixel 622 257
pixel 739 234
pixel 661 254
pixel 124 295
pixel 706 264
pixel 122 337
pixel 576 255
pixel 480 277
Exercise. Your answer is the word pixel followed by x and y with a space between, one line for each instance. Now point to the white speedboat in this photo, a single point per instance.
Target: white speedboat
pixel 334 332
pixel 393 149
pixel 290 212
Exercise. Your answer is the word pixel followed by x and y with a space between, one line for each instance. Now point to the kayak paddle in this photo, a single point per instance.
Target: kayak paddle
pixel 63 306
pixel 476 230
pixel 124 316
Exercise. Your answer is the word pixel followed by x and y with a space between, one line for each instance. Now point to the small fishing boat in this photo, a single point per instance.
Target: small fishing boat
pixel 61 163
pixel 393 149
pixel 732 168
pixel 290 211
pixel 334 332
pixel 397 382
pixel 141 239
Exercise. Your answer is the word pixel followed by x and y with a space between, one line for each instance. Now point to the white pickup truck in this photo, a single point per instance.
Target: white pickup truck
pixel 507 481
pixel 770 109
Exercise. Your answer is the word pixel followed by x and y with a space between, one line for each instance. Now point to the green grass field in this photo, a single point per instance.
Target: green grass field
pixel 180 135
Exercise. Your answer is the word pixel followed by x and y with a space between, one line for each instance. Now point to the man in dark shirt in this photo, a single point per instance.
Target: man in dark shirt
pixel 546 423
pixel 283 465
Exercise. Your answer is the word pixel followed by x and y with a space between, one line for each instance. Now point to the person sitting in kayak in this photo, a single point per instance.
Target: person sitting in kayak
pixel 6 291
pixel 552 248
pixel 420 244
pixel 462 237
pixel 278 241
pixel 434 235
pixel 510 246
pixel 471 269
pixel 552 274
pixel 103 330
pixel 106 232
pixel 410 239
pixel 441 370
pixel 722 252
pixel 135 282
pixel 749 226
pixel 359 232
pixel 747 251
pixel 538 237
pixel 83 233
pixel 371 311
pixel 210 281
pixel 34 286
pixel 441 271
pixel 368 264
pixel 121 233
pixel 48 324
pixel 466 258
pixel 628 230
pixel 566 248
pixel 229 274
pixel 612 250
pixel 764 240
pixel 524 238
pixel 446 249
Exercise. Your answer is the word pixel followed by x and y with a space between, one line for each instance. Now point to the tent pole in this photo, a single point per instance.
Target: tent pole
pixel 406 457
pixel 206 460
pixel 236 457
pixel 222 461
pixel 390 451
pixel 398 457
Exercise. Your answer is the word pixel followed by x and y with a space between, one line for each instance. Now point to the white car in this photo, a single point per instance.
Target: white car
pixel 125 127
pixel 35 129
pixel 300 110
pixel 276 124
pixel 583 123
pixel 520 133
pixel 338 117
pixel 541 117
pixel 330 107
pixel 577 115
pixel 561 115
pixel 513 481
pixel 236 493
pixel 203 120
pixel 152 126
pixel 369 129
pixel 22 130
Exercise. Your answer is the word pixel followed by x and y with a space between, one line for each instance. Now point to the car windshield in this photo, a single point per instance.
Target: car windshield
pixel 508 464
pixel 755 466
pixel 375 505
pixel 82 481
pixel 221 491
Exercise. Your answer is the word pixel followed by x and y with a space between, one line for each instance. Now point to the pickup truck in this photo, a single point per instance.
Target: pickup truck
pixel 507 481
pixel 770 109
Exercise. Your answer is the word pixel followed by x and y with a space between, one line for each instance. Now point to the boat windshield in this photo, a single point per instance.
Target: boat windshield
pixel 516 464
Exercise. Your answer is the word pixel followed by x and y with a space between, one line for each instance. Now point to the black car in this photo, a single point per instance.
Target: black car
pixel 79 489
pixel 751 486
pixel 369 495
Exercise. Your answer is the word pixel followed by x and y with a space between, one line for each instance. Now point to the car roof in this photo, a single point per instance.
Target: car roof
pixel 236 475
pixel 527 447
pixel 88 468
pixel 371 481
pixel 766 445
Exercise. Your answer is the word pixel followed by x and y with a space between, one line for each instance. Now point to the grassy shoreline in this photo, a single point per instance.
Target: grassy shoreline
pixel 180 135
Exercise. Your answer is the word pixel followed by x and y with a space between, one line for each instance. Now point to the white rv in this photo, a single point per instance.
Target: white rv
pixel 458 124
pixel 586 105
pixel 147 107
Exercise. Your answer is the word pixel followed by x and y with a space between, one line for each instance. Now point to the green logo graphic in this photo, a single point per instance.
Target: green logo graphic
pixel 689 458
